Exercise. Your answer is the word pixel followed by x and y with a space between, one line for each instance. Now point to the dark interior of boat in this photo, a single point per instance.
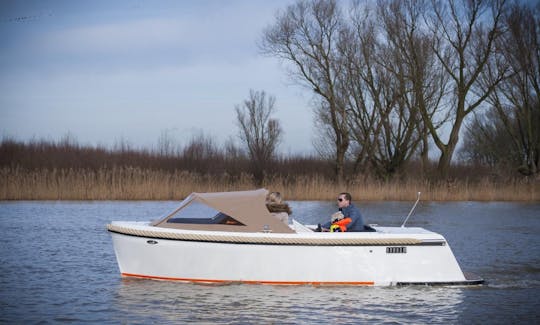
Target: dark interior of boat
pixel 220 218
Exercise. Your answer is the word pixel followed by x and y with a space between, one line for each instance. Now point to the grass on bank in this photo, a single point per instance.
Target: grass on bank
pixel 127 183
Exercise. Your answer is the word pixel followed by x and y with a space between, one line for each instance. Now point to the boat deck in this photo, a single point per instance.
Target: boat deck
pixel 402 230
pixel 303 236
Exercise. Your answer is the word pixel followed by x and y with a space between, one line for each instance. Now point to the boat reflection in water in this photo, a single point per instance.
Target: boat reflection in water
pixel 163 301
pixel 231 237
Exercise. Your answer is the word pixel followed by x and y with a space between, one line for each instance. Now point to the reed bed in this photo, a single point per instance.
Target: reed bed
pixel 127 183
pixel 373 190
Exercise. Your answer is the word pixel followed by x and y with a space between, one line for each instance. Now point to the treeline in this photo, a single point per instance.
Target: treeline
pixel 47 170
pixel 201 155
pixel 397 81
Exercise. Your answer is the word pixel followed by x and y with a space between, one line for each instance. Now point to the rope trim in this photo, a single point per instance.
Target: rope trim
pixel 261 240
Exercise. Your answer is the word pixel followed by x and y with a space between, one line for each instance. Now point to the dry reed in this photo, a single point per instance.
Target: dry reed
pixel 127 183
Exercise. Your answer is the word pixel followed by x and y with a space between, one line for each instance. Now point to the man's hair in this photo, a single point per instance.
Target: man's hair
pixel 347 195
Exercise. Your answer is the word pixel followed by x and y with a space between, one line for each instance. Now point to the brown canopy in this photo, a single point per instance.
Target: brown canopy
pixel 246 207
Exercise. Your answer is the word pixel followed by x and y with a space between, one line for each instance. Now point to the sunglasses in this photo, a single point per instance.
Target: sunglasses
pixel 340 199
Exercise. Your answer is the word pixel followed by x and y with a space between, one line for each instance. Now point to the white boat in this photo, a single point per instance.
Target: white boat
pixel 231 237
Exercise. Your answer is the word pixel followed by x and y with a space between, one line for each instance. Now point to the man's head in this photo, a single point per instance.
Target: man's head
pixel 344 199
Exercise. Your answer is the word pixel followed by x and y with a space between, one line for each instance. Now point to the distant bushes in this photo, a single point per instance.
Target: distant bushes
pixel 201 155
pixel 45 170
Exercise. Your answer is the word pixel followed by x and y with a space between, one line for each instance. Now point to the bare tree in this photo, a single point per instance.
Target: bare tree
pixel 487 143
pixel 390 126
pixel 465 32
pixel 258 131
pixel 201 153
pixel 361 85
pixel 166 144
pixel 389 72
pixel 324 140
pixel 414 64
pixel 305 35
pixel 517 98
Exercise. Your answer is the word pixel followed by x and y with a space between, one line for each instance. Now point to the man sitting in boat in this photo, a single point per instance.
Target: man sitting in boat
pixel 349 210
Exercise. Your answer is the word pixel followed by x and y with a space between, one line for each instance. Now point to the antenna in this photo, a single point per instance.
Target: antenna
pixel 412 209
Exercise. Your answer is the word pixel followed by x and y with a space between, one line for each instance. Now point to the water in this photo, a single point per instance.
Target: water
pixel 57 265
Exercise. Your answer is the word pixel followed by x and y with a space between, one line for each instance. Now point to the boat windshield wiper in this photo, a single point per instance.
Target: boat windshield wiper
pixel 412 209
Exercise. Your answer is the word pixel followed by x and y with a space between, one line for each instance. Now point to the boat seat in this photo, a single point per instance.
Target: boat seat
pixel 369 229
pixel 298 227
pixel 366 229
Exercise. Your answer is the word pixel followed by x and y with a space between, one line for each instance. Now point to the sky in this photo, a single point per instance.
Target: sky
pixel 132 70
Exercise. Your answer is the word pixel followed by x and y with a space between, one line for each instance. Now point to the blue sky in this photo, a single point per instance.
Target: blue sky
pixel 110 70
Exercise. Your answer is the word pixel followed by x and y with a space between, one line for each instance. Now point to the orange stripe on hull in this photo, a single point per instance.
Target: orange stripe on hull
pixel 316 283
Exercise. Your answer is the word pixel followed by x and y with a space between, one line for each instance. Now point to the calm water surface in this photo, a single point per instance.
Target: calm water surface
pixel 57 265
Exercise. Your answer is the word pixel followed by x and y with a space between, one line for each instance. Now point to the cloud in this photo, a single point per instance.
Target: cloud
pixel 124 37
pixel 210 36
pixel 179 34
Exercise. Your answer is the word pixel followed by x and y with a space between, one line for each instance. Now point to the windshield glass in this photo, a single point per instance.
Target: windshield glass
pixel 198 213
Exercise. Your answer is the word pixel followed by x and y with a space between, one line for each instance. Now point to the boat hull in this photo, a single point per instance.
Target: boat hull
pixel 208 261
